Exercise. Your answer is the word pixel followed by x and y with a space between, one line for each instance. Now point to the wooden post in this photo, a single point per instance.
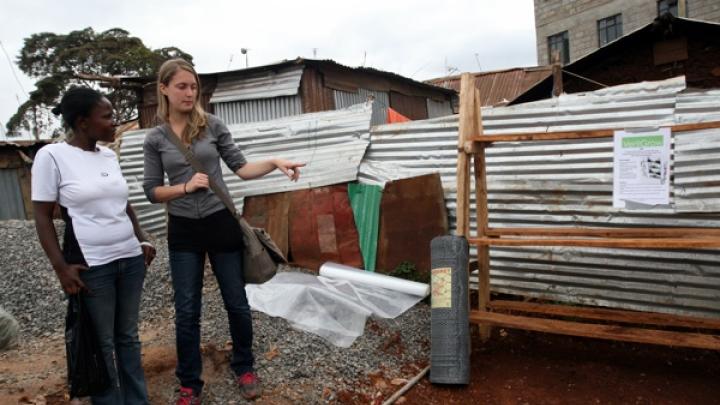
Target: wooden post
pixel 465 132
pixel 481 207
pixel 471 126
pixel 557 74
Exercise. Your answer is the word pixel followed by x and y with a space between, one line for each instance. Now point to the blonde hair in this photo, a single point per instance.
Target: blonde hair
pixel 198 118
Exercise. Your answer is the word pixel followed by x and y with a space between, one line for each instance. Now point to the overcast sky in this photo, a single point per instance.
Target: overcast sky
pixel 418 39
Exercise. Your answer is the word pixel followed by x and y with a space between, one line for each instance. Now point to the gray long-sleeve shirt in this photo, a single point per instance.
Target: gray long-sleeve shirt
pixel 161 156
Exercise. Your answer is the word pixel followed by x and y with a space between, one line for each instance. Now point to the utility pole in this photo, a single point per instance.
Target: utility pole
pixel 244 51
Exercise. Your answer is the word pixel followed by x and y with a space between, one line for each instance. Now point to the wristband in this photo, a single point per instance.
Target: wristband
pixel 185 188
pixel 146 243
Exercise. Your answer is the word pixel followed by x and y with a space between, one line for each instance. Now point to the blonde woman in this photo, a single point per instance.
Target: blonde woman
pixel 199 223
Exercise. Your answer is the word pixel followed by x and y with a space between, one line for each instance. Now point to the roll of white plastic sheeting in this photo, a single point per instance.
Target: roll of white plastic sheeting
pixel 332 308
pixel 353 275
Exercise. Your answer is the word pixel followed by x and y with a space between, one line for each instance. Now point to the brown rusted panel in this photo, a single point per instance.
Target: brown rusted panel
pixel 322 228
pixel 412 213
pixel 314 95
pixel 270 212
pixel 671 50
pixel 412 107
pixel 24 180
pixel 502 86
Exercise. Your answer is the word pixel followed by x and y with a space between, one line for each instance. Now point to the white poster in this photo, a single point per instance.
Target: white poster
pixel 641 168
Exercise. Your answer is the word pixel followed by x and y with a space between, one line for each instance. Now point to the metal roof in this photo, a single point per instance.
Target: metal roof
pixel 331 143
pixel 262 84
pixel 329 63
pixel 569 183
pixel 501 86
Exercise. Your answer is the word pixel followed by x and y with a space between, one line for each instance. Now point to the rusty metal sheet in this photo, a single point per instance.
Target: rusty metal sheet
pixel 412 213
pixel 322 228
pixel 502 86
pixel 270 212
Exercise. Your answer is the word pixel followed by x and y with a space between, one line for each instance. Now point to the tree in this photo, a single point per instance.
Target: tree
pixel 60 61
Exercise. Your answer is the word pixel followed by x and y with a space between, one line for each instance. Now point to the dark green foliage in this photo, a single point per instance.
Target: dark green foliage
pixel 56 60
pixel 407 271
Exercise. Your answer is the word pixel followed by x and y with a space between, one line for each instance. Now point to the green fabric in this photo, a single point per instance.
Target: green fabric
pixel 365 202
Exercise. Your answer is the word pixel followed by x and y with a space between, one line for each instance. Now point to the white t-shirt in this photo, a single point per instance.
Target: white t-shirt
pixel 91 187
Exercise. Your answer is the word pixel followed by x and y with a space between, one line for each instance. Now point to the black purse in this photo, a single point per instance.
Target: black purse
pixel 86 370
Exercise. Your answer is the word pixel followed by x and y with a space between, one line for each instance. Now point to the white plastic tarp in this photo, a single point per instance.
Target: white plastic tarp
pixel 333 309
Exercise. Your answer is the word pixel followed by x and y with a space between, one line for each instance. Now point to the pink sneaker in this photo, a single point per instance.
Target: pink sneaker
pixel 187 397
pixel 249 385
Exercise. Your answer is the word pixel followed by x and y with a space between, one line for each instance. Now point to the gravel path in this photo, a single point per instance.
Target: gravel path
pixel 294 366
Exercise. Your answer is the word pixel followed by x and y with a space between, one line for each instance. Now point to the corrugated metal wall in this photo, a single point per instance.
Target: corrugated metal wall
pixel 265 109
pixel 260 85
pixel 11 201
pixel 438 108
pixel 331 143
pixel 382 102
pixel 570 183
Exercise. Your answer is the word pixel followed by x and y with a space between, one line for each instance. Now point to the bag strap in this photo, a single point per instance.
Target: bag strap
pixel 198 167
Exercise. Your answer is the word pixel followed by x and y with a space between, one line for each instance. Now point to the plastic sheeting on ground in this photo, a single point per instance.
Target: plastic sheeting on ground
pixel 335 310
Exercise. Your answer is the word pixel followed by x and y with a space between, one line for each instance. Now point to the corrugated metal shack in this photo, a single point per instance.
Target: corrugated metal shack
pixel 15 163
pixel 569 183
pixel 668 47
pixel 303 86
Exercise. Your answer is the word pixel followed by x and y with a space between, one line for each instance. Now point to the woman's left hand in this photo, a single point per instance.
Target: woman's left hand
pixel 291 169
pixel 148 253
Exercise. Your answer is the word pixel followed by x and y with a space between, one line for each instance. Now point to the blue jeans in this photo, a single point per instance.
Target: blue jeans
pixel 186 269
pixel 114 303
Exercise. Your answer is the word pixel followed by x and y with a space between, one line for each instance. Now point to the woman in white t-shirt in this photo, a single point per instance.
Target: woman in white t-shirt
pixel 104 254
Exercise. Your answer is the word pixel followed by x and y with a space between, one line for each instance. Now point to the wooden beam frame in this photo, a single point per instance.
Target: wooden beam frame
pixel 598 331
pixel 471 145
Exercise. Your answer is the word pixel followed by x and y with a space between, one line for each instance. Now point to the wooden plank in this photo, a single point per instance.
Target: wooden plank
pixel 606 314
pixel 549 136
pixel 544 136
pixel 628 243
pixel 481 207
pixel 465 130
pixel 695 126
pixel 612 332
pixel 607 232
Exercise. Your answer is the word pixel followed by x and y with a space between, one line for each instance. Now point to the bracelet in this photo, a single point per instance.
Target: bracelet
pixel 146 243
pixel 185 188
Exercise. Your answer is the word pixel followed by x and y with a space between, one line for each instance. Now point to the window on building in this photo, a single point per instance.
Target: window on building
pixel 668 6
pixel 559 43
pixel 609 29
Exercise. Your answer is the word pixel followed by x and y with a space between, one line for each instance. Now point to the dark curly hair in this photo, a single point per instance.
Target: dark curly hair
pixel 77 102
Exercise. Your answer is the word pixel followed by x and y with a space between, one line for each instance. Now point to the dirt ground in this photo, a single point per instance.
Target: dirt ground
pixel 514 367
pixel 35 374
pixel 518 367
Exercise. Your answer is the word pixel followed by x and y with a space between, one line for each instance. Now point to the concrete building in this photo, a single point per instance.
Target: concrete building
pixel 575 28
